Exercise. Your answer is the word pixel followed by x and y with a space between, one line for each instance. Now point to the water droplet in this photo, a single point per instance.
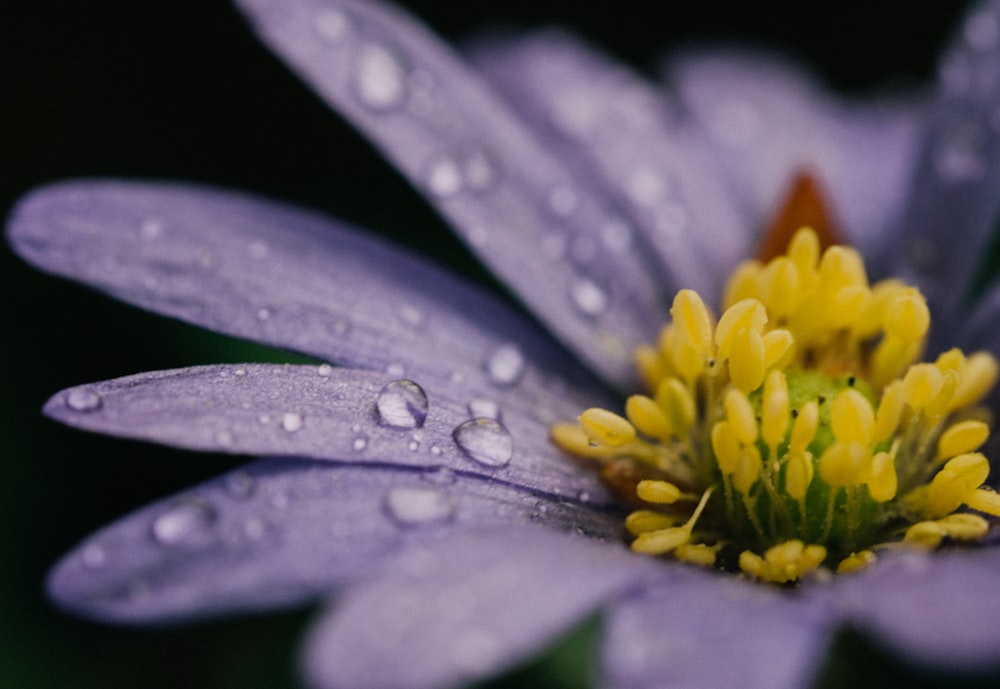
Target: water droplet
pixel 239 485
pixel 291 422
pixel 411 506
pixel 439 475
pixel 240 372
pixel 83 400
pixel 360 443
pixel 484 408
pixel 583 496
pixel 402 404
pixel 645 187
pixel 505 364
pixel 331 24
pixel 380 78
pixel 413 445
pixel 94 556
pixel 444 177
pixel 436 450
pixel 588 297
pixel 485 441
pixel 187 523
pixel 325 370
pixel 263 313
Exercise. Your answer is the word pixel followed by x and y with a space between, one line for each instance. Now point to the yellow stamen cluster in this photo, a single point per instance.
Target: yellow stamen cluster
pixel 797 424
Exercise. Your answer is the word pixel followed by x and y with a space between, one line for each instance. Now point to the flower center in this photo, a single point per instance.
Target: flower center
pixel 797 430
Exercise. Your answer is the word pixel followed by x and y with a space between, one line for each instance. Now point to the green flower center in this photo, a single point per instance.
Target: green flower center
pixel 798 430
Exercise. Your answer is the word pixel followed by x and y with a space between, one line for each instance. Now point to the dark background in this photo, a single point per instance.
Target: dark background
pixel 180 89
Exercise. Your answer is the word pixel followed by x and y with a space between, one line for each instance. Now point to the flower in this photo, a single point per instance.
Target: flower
pixel 444 515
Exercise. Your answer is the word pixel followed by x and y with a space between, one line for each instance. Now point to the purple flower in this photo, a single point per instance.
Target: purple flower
pixel 416 481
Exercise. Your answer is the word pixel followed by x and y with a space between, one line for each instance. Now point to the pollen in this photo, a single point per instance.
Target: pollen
pixel 798 430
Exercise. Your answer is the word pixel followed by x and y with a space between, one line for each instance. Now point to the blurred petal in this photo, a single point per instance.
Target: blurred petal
pixel 715 632
pixel 515 204
pixel 654 161
pixel 334 414
pixel 955 197
pixel 940 609
pixel 770 120
pixel 289 278
pixel 466 608
pixel 281 532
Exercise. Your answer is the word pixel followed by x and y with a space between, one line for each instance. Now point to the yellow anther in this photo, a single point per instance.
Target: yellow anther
pixel 693 320
pixel 798 474
pixel 907 316
pixel 891 358
pixel 606 428
pixel 984 500
pixel 677 402
pixel 804 428
pixel 573 440
pixel 844 305
pixel 976 378
pixel 956 483
pixel 648 417
pixel 744 283
pixel 841 266
pixel 661 541
pixel 871 319
pixel 726 446
pixel 747 359
pixel 680 356
pixel 777 344
pixel 922 384
pixel 774 414
pixel 804 249
pixel 780 280
pixel 855 562
pixel 747 469
pixel 650 366
pixel 740 414
pixel 964 526
pixel 942 403
pixel 852 418
pixel 882 480
pixel 926 535
pixel 661 492
pixel 844 464
pixel 788 561
pixel 746 314
pixel 696 553
pixel 962 437
pixel 644 521
pixel 890 411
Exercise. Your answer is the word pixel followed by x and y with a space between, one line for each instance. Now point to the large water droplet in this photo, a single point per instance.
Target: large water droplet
pixel 83 400
pixel 291 422
pixel 379 78
pixel 402 404
pixel 411 506
pixel 505 364
pixel 486 441
pixel 588 297
pixel 187 523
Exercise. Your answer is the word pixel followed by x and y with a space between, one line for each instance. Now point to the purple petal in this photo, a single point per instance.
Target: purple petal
pixel 770 120
pixel 656 162
pixel 466 608
pixel 514 203
pixel 955 197
pixel 940 609
pixel 715 632
pixel 278 533
pixel 341 415
pixel 293 279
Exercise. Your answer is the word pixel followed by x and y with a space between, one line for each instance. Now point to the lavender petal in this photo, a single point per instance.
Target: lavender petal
pixel 289 278
pixel 515 204
pixel 280 532
pixel 466 608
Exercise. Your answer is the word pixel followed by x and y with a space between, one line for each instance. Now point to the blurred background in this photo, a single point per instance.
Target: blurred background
pixel 180 89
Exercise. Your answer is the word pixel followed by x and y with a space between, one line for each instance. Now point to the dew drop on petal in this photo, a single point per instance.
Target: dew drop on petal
pixel 379 78
pixel 483 407
pixel 486 441
pixel 402 404
pixel 187 523
pixel 83 400
pixel 360 443
pixel 291 422
pixel 263 314
pixel 505 365
pixel 411 506
pixel 444 177
pixel 588 297
pixel 325 370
